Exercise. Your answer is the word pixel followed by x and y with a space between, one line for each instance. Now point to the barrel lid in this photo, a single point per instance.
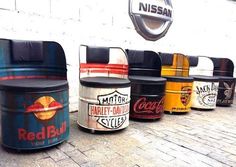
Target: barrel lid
pixel 147 79
pixel 27 85
pixel 205 78
pixel 178 79
pixel 226 78
pixel 104 82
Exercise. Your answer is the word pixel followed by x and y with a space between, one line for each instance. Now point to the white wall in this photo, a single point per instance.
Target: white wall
pixel 200 27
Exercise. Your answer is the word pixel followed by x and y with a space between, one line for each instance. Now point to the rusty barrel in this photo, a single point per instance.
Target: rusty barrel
pixel 226 91
pixel 104 103
pixel 34 113
pixel 178 94
pixel 147 97
pixel 205 89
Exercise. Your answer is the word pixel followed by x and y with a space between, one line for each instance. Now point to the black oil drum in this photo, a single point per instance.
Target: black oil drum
pixel 226 91
pixel 147 97
pixel 34 113
pixel 104 103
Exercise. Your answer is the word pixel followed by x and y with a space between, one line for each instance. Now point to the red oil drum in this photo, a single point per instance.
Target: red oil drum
pixel 147 98
pixel 226 91
pixel 104 103
pixel 34 113
pixel 205 89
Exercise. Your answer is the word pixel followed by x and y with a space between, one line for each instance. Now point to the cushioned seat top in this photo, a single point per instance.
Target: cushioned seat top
pixel 147 79
pixel 33 85
pixel 104 82
pixel 205 78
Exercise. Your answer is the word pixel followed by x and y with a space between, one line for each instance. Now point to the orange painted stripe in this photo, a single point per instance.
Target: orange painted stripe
pixel 112 66
pixel 104 68
pixel 123 72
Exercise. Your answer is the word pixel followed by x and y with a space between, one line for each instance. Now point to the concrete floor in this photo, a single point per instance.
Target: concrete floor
pixel 195 139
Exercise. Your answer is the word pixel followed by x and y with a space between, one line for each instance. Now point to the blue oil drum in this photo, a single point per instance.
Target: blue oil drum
pixel 34 113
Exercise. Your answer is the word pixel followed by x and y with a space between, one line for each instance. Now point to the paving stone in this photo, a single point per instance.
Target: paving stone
pixel 47 162
pixel 78 157
pixel 56 154
pixel 89 164
pixel 222 157
pixel 66 147
pixel 67 163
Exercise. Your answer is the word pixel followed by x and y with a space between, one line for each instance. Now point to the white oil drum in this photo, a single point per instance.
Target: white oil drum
pixel 104 103
pixel 204 95
pixel 201 65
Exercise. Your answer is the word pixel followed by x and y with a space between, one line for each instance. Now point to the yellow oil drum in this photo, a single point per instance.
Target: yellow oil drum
pixel 174 65
pixel 178 94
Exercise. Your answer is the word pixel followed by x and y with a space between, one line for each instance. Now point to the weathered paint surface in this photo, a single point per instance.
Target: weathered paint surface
pixel 32 120
pixel 104 109
pixel 226 91
pixel 178 96
pixel 204 94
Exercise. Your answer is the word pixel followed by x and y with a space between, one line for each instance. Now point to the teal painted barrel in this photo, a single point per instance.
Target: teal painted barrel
pixel 34 113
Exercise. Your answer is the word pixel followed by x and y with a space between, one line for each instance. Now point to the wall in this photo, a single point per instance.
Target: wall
pixel 203 27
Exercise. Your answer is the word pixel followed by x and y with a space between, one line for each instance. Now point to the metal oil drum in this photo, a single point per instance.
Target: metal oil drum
pixel 178 94
pixel 223 67
pixel 147 97
pixel 34 113
pixel 226 91
pixel 104 103
pixel 205 89
pixel 174 65
pixel 201 65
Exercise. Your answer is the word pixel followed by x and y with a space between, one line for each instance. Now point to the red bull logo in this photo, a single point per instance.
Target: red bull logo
pixel 46 133
pixel 44 109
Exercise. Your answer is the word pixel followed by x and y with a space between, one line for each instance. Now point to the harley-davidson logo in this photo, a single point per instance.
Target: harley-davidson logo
pixel 112 110
pixel 185 95
pixel 151 18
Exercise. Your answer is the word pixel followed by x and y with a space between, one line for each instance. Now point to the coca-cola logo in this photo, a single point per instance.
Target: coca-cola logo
pixel 143 105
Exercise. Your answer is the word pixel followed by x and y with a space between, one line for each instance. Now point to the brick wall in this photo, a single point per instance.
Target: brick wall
pixel 202 27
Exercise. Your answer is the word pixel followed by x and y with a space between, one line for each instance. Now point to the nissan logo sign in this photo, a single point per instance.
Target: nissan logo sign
pixel 151 18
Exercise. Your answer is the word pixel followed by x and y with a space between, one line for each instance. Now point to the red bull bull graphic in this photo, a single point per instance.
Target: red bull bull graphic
pixel 32 120
pixel 44 108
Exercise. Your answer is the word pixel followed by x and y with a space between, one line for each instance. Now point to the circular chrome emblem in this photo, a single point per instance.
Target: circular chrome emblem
pixel 151 18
